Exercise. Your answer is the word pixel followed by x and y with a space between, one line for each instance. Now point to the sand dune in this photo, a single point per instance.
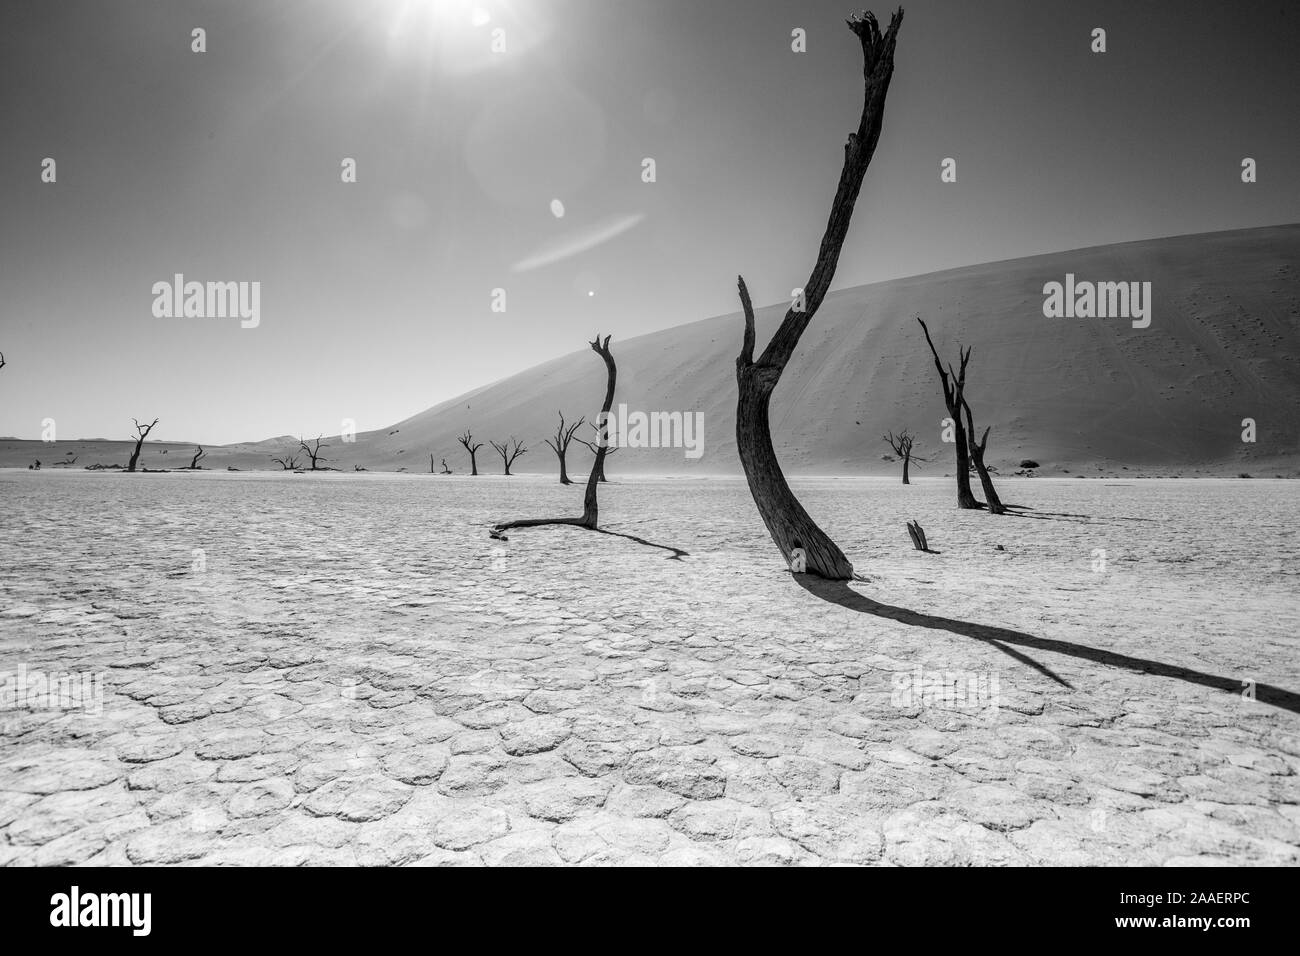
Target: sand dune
pixel 1084 394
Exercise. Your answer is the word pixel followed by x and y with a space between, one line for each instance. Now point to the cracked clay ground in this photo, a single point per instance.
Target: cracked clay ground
pixel 342 669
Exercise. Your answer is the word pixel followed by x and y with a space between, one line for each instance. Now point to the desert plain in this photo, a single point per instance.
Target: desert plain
pixel 346 669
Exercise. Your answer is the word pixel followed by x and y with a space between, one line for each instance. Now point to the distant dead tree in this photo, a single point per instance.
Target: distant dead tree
pixel 954 386
pixel 445 469
pixel 805 546
pixel 289 461
pixel 509 454
pixel 590 507
pixel 444 461
pixel 472 447
pixel 142 432
pixel 602 438
pixel 313 451
pixel 560 444
pixel 902 444
pixel 977 448
pixel 2 360
pixel 198 453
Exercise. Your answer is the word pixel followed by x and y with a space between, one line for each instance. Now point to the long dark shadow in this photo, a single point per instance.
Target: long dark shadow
pixel 495 532
pixel 677 553
pixel 838 592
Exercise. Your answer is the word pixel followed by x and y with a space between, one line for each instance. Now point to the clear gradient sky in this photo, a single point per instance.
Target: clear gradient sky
pixel 376 296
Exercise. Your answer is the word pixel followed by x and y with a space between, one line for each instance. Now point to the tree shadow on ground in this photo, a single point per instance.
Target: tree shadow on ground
pixel 1021 511
pixel 838 592
pixel 495 532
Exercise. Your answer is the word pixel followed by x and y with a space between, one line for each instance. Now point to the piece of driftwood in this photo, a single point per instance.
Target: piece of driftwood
pixel 918 536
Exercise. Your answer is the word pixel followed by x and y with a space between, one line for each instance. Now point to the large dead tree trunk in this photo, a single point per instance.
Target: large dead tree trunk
pixel 198 453
pixel 141 433
pixel 804 545
pixel 590 506
pixel 977 455
pixel 954 384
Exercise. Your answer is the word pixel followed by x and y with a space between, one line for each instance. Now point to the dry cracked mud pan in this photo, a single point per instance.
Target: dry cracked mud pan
pixel 355 674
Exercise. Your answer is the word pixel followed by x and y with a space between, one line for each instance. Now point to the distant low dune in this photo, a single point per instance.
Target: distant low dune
pixel 1085 395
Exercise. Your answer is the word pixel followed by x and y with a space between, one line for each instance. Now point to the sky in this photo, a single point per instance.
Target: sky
pixel 521 169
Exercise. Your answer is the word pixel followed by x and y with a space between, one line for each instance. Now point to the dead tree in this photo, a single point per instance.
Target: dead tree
pixel 289 462
pixel 590 506
pixel 803 544
pixel 602 437
pixel 2 360
pixel 902 444
pixel 445 469
pixel 954 385
pixel 472 447
pixel 995 504
pixel 198 453
pixel 917 534
pixel 508 454
pixel 313 451
pixel 142 432
pixel 560 445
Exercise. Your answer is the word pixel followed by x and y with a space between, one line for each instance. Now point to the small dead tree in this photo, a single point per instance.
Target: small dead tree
pixel 313 451
pixel 560 444
pixel 445 469
pixel 803 544
pixel 507 453
pixel 472 447
pixel 141 433
pixel 2 360
pixel 977 449
pixel 198 453
pixel 602 438
pixel 288 461
pixel 590 505
pixel 954 386
pixel 902 444
pixel 917 534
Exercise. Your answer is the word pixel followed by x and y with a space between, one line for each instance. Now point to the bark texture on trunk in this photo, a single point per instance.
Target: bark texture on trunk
pixel 907 461
pixel 977 455
pixel 954 384
pixel 804 545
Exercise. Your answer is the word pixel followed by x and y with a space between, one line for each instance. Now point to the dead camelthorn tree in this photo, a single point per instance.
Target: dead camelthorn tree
pixel 508 454
pixel 141 433
pixel 288 461
pixel 977 456
pixel 198 453
pixel 445 469
pixel 590 506
pixel 602 438
pixel 902 444
pixel 560 445
pixel 472 447
pixel 313 451
pixel 954 385
pixel 804 545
